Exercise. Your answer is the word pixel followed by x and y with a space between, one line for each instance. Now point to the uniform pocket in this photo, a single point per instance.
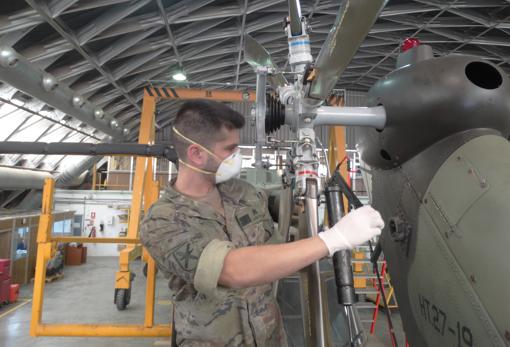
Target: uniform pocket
pixel 265 319
pixel 251 222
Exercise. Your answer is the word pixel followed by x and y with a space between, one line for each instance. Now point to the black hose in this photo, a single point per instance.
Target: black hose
pixel 355 202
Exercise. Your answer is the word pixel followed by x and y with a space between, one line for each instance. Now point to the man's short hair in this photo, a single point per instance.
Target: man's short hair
pixel 202 121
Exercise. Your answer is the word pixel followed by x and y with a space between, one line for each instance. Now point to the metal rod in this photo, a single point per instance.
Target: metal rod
pixel 295 17
pixel 172 83
pixel 328 170
pixel 356 332
pixel 260 116
pixel 351 116
pixel 97 149
pixel 131 173
pixel 315 284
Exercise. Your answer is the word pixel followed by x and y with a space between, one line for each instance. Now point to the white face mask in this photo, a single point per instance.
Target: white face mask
pixel 230 167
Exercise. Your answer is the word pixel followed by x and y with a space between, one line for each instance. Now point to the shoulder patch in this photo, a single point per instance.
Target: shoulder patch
pixel 184 257
pixel 244 220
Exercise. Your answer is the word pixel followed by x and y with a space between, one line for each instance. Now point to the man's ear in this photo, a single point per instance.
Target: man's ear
pixel 196 155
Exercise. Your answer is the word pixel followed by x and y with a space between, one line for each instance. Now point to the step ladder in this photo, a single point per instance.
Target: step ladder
pixel 365 284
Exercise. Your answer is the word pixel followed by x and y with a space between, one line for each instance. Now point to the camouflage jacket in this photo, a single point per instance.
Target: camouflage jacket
pixel 189 241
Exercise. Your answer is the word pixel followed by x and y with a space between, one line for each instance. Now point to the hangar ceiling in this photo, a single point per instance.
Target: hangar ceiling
pixel 108 50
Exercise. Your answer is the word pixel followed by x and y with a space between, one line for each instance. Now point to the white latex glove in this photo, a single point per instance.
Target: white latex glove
pixel 353 229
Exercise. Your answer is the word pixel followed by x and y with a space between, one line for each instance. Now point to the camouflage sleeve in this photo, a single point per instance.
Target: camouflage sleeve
pixel 210 266
pixel 272 233
pixel 178 248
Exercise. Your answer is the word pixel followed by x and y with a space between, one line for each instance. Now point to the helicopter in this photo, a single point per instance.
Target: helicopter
pixel 429 141
pixel 438 173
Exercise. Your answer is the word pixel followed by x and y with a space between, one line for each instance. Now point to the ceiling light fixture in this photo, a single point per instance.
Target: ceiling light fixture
pixel 179 76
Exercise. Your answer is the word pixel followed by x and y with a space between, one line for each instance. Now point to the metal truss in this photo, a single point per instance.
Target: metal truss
pixel 108 50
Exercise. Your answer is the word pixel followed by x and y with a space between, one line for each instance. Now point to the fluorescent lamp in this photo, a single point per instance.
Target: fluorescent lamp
pixel 179 76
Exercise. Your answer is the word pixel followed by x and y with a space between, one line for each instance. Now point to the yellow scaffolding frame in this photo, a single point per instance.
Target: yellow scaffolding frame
pixel 144 189
pixel 145 192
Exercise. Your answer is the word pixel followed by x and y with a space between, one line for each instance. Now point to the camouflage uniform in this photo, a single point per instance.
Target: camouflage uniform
pixel 189 241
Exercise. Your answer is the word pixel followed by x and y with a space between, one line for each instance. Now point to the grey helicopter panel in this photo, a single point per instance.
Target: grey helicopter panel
pixel 446 234
pixel 467 238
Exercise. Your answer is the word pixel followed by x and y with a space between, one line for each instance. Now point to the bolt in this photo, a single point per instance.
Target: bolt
pixel 483 183
pixel 8 57
pixel 114 124
pixel 49 82
pixel 307 120
pixel 472 278
pixel 98 113
pixel 78 101
pixel 307 140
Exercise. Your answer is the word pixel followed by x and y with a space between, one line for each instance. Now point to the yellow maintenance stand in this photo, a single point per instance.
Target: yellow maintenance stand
pixel 145 193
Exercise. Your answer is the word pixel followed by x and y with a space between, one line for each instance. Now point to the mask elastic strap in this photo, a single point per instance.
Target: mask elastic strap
pixel 198 144
pixel 196 168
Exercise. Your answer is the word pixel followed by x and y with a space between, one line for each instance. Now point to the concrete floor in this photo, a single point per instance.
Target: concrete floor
pixel 289 301
pixel 85 295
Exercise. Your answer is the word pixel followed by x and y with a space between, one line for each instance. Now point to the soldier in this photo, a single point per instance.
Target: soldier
pixel 213 235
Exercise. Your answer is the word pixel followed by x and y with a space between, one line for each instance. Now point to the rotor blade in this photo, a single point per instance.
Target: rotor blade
pixel 295 17
pixel 256 55
pixel 352 25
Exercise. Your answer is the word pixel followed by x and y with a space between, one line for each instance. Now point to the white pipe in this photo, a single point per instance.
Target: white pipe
pixel 131 174
pixel 18 178
pixel 351 116
pixel 76 181
pixel 65 178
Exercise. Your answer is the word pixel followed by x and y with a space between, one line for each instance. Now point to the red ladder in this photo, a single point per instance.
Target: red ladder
pixel 378 299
